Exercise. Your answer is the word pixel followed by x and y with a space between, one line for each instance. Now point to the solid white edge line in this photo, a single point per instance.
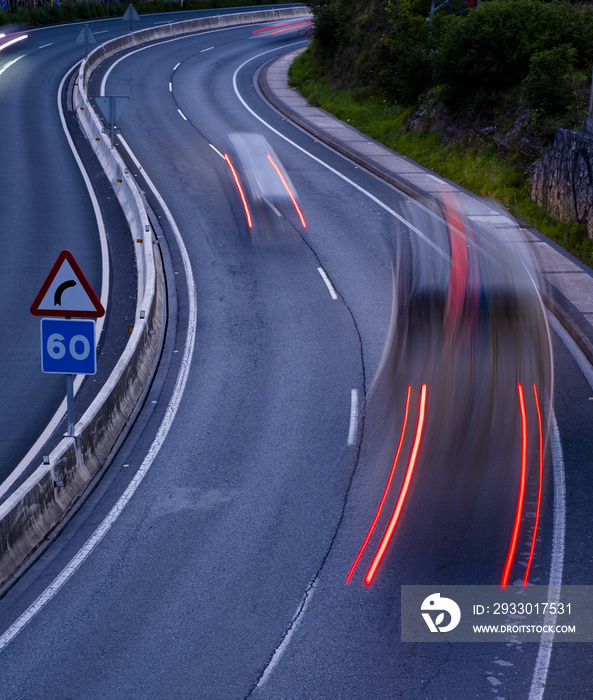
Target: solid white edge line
pixel 182 114
pixel 328 284
pixel 372 197
pixel 61 411
pixel 11 63
pixel 577 354
pixel 295 622
pixel 96 208
pixel 544 652
pixel 353 417
pixel 155 447
pixel 545 648
pixel 216 149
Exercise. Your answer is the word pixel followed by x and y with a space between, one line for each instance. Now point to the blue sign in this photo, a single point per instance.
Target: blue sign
pixel 68 346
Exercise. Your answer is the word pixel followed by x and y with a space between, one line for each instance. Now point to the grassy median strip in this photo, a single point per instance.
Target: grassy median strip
pixel 484 172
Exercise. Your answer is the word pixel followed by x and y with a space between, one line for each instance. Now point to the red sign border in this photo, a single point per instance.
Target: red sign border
pixel 67 313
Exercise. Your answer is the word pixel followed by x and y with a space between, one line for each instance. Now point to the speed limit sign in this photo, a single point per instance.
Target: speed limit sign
pixel 68 346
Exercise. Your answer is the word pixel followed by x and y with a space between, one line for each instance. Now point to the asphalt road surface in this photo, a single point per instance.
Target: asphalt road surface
pixel 45 207
pixel 224 576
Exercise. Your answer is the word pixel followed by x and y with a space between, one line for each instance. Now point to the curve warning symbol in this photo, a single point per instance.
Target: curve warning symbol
pixel 61 289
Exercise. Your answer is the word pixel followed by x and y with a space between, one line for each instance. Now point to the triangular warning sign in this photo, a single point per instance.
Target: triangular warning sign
pixel 67 292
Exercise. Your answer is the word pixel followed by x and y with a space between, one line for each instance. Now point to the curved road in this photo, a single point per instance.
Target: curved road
pixel 45 207
pixel 224 575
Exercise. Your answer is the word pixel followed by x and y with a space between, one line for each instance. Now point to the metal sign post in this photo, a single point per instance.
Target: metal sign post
pixel 86 37
pixel 131 14
pixel 112 121
pixel 70 404
pixel 112 109
pixel 68 344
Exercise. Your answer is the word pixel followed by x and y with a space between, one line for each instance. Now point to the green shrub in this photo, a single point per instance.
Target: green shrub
pixel 485 172
pixel 407 68
pixel 491 47
pixel 548 85
pixel 389 46
pixel 406 74
pixel 329 21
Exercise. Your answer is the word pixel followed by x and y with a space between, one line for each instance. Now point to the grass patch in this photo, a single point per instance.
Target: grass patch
pixel 484 172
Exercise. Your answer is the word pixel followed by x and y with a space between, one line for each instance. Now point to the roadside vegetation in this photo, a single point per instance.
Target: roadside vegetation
pixel 473 95
pixel 36 14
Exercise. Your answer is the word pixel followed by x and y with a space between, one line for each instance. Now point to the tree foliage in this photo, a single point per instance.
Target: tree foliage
pixel 490 49
pixel 391 46
pixel 548 86
pixel 407 70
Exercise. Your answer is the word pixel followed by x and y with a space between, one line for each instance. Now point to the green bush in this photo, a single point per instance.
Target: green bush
pixel 548 86
pixel 487 173
pixel 329 24
pixel 389 46
pixel 406 74
pixel 407 68
pixel 491 47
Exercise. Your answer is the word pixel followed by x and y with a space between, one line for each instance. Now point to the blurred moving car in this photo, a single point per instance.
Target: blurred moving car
pixel 266 193
pixel 465 390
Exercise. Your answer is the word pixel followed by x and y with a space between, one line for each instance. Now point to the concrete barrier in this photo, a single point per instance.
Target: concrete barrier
pixel 191 26
pixel 27 517
pixel 43 501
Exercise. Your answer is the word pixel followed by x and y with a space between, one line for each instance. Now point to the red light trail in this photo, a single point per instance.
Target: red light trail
pixel 385 492
pixel 290 25
pixel 243 199
pixel 287 188
pixel 403 493
pixel 513 547
pixel 539 492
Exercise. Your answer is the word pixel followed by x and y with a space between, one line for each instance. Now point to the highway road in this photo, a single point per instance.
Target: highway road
pixel 46 207
pixel 224 575
pixel 36 166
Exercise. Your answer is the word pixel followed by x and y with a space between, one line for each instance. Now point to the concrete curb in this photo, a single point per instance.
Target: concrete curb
pixel 39 505
pixel 568 289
